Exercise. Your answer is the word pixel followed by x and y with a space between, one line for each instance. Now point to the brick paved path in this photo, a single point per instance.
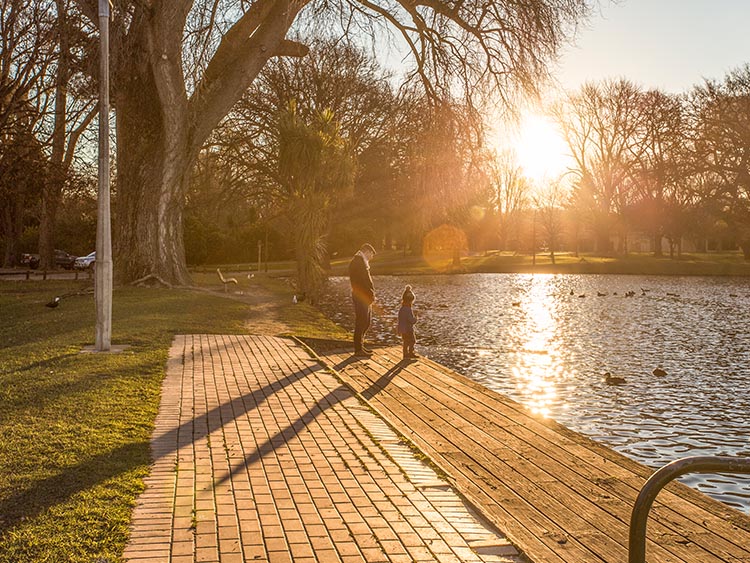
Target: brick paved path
pixel 261 455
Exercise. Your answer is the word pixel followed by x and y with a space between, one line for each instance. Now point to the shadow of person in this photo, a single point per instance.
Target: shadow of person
pixel 382 381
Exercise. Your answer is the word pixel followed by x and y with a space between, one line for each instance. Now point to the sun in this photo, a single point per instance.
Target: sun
pixel 540 148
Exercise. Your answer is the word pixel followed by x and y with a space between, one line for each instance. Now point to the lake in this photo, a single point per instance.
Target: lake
pixel 546 341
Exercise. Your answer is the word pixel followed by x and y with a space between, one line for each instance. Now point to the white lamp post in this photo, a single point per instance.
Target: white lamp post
pixel 103 264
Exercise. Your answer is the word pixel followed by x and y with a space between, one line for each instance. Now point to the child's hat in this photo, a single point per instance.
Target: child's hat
pixel 408 294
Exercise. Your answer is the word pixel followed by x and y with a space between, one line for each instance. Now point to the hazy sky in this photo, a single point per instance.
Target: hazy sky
pixel 670 44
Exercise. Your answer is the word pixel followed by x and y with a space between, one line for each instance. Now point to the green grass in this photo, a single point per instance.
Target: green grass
pixel 75 428
pixel 723 264
pixel 391 262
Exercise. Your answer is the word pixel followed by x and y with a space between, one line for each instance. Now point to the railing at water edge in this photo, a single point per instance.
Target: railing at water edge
pixel 655 483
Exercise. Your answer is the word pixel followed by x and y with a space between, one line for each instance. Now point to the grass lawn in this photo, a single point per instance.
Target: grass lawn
pixel 75 428
pixel 395 262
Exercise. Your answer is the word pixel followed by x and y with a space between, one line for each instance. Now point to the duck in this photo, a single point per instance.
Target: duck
pixel 572 292
pixel 630 293
pixel 516 303
pixel 54 303
pixel 659 372
pixel 600 294
pixel 582 295
pixel 673 294
pixel 610 379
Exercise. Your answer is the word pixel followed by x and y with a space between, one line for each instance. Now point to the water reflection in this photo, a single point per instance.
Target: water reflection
pixel 535 365
pixel 534 339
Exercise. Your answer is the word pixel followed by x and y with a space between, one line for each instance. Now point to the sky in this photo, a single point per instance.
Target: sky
pixel 669 44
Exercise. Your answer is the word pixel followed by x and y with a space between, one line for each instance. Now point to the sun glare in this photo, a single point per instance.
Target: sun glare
pixel 540 148
pixel 538 368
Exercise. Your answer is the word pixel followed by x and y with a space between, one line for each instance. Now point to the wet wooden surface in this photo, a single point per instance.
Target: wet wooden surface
pixel 558 495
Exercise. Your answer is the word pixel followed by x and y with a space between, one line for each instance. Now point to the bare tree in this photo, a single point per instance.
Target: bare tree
pixel 334 77
pixel 26 51
pixel 722 145
pixel 549 207
pixel 660 172
pixel 25 55
pixel 180 66
pixel 71 115
pixel 509 193
pixel 600 124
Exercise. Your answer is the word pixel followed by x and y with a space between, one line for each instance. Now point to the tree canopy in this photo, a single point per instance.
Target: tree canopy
pixel 180 66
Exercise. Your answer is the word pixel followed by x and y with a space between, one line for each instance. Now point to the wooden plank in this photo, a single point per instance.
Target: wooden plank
pixel 549 488
pixel 593 472
pixel 481 471
pixel 725 549
pixel 581 516
pixel 696 510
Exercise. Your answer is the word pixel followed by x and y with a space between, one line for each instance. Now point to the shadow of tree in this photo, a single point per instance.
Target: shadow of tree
pixel 41 495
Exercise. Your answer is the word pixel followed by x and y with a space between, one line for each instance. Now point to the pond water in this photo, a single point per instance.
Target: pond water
pixel 546 341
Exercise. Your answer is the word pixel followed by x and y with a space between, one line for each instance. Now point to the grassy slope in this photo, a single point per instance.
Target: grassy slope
pixel 75 429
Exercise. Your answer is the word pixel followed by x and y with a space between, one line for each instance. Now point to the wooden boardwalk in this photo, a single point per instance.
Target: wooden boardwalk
pixel 559 496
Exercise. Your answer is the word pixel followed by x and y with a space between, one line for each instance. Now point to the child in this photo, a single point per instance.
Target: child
pixel 406 322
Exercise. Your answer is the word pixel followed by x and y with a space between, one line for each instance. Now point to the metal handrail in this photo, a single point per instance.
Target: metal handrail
pixel 642 506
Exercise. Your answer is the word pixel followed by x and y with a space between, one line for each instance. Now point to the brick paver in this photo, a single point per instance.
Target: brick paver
pixel 262 455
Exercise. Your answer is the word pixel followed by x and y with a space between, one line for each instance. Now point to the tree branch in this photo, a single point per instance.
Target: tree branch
pixel 257 36
pixel 76 133
pixel 289 48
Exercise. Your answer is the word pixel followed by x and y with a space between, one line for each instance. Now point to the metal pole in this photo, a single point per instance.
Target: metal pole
pixel 260 250
pixel 103 264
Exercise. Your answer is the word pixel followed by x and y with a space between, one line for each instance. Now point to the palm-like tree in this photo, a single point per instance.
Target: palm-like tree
pixel 315 166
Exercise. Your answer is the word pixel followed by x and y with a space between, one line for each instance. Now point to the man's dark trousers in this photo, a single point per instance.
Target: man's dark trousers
pixel 362 318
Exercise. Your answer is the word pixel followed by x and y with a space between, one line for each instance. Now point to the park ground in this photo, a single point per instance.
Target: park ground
pixel 75 428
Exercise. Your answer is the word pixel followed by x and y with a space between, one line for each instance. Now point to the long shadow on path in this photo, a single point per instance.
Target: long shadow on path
pixel 41 495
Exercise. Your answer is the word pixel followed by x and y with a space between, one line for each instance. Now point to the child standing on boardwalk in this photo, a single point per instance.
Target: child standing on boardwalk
pixel 406 322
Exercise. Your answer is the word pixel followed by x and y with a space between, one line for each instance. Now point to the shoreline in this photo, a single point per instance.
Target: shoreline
pixel 393 262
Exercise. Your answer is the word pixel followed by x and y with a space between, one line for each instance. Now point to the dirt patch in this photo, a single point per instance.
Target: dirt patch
pixel 263 310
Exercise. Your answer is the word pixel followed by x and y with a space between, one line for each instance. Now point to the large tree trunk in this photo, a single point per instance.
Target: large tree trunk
pixel 657 246
pixel 154 163
pixel 160 130
pixel 13 228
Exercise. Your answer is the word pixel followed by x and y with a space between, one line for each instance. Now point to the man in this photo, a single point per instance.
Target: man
pixel 363 296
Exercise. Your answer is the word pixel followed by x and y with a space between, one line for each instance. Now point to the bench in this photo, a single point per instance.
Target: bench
pixel 226 281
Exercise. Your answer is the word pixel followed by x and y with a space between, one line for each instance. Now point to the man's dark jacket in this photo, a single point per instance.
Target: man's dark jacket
pixel 363 289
